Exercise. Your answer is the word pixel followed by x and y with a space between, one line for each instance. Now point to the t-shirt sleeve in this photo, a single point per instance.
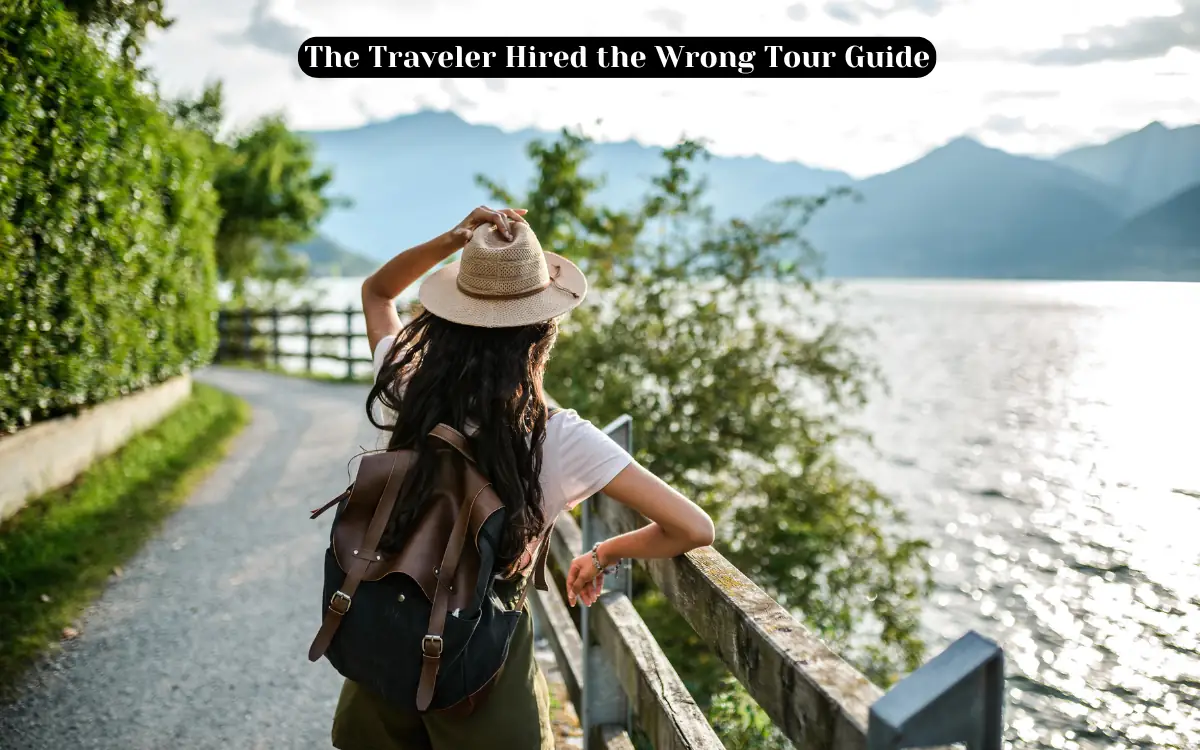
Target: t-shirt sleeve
pixel 381 351
pixel 587 459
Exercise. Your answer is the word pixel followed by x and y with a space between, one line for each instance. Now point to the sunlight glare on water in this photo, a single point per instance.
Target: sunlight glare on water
pixel 1045 438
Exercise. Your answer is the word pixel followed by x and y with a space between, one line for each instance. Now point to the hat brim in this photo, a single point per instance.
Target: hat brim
pixel 440 295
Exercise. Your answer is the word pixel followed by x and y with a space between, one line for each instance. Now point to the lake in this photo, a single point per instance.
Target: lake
pixel 1045 438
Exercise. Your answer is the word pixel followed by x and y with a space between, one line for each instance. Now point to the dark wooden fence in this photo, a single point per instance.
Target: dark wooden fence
pixel 311 335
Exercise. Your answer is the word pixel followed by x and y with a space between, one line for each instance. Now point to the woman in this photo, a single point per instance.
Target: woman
pixel 475 357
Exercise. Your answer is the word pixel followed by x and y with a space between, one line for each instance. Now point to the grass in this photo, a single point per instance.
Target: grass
pixel 57 554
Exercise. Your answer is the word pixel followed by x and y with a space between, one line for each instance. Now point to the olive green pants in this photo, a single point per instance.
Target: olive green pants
pixel 515 716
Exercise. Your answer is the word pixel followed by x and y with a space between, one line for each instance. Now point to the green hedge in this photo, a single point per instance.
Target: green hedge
pixel 107 219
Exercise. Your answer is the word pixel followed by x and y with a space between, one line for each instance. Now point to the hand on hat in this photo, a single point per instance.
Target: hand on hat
pixel 499 218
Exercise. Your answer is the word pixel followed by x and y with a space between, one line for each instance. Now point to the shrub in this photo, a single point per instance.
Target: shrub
pixel 107 219
pixel 743 381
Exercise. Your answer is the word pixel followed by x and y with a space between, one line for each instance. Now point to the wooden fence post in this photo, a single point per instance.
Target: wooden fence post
pixel 275 335
pixel 604 700
pixel 246 333
pixel 308 339
pixel 349 343
pixel 222 336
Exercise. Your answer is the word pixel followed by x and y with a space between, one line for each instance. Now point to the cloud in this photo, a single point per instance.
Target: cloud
pixel 672 19
pixel 995 97
pixel 457 99
pixel 852 11
pixel 270 32
pixel 1010 125
pixel 983 48
pixel 1140 39
pixel 843 12
pixel 928 7
pixel 1003 125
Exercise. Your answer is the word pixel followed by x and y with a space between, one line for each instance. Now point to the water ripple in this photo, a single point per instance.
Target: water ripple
pixel 1051 470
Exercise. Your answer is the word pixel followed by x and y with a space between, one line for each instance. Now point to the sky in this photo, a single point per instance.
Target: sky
pixel 1028 76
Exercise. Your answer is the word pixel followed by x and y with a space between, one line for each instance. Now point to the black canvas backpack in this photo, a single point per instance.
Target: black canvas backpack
pixel 423 627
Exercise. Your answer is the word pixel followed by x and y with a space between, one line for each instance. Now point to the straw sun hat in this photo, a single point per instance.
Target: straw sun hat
pixel 500 283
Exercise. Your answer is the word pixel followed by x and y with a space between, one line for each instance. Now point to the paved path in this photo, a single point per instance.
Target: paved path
pixel 202 642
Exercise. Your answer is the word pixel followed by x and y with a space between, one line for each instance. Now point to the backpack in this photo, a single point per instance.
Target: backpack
pixel 424 627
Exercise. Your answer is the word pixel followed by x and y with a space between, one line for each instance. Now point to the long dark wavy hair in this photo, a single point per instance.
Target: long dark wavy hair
pixel 439 371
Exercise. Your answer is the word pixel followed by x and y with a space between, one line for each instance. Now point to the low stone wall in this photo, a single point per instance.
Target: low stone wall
pixel 49 455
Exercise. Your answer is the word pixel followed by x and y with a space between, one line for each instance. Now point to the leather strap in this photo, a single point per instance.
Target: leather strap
pixel 339 605
pixel 331 503
pixel 431 644
pixel 454 439
pixel 539 566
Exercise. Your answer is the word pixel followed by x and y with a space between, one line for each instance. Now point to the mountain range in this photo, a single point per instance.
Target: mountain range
pixel 325 257
pixel 1127 208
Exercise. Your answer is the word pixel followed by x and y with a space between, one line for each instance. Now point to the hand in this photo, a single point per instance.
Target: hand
pixel 584 582
pixel 499 218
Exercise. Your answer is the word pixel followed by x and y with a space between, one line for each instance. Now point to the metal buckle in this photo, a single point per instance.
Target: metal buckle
pixel 339 596
pixel 437 639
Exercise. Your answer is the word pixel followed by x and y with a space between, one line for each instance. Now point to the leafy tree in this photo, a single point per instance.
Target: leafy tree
pixel 270 192
pixel 718 339
pixel 122 21
pixel 203 114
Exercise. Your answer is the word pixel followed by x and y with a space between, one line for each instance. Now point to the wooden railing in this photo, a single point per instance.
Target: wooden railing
pixel 259 335
pixel 618 677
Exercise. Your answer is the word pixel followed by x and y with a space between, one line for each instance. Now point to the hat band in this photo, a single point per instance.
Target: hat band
pixel 519 295
pixel 552 281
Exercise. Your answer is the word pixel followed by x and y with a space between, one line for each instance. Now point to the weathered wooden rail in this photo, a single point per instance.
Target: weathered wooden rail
pixel 618 677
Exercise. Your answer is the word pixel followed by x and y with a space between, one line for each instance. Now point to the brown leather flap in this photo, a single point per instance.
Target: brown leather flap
pixel 457 481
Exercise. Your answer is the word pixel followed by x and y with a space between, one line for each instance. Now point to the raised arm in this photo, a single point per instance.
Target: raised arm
pixel 380 290
pixel 677 526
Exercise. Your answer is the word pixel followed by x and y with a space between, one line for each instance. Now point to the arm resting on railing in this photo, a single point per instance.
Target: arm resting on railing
pixel 677 526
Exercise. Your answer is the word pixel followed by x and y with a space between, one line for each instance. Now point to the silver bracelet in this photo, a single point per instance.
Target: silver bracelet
pixel 611 569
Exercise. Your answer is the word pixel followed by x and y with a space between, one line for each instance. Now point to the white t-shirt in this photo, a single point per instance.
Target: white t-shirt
pixel 578 459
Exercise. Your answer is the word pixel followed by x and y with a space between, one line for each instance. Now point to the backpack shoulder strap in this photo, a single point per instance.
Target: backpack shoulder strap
pixel 376 473
pixel 453 438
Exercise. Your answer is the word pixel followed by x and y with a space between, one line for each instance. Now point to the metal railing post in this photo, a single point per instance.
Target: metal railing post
pixel 958 696
pixel 604 700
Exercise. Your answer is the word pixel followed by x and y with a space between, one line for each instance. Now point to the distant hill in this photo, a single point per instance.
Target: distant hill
pixel 1146 167
pixel 414 176
pixel 1163 242
pixel 964 210
pixel 327 258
